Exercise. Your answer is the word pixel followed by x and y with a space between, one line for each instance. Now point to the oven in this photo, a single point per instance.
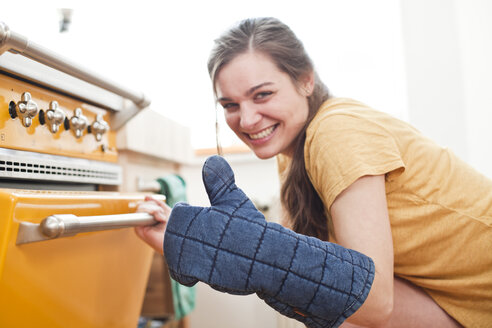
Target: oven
pixel 68 254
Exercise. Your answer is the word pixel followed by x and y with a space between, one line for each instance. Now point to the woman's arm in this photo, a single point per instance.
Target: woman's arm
pixel 361 222
pixel 413 308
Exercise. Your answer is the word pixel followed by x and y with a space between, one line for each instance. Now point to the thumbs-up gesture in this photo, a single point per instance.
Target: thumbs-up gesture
pixel 231 247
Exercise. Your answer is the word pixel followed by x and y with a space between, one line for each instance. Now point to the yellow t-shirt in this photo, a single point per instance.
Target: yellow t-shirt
pixel 440 208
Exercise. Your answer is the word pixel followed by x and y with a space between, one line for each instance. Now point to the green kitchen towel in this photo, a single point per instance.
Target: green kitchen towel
pixel 174 188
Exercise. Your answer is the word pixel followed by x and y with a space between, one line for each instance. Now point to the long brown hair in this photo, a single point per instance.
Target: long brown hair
pixel 276 40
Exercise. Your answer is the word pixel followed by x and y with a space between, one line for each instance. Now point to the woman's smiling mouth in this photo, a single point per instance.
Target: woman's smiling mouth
pixel 262 134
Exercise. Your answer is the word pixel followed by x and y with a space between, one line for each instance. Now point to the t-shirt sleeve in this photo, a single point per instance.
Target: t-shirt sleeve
pixel 340 148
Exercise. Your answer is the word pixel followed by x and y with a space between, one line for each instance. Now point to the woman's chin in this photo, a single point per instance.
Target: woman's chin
pixel 263 153
pixel 261 150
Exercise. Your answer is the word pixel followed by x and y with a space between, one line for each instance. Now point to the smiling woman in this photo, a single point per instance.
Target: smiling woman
pixel 356 45
pixel 264 107
pixel 351 176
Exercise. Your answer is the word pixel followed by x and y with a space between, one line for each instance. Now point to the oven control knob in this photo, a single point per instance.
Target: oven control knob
pixel 26 109
pixel 78 122
pixel 55 117
pixel 99 127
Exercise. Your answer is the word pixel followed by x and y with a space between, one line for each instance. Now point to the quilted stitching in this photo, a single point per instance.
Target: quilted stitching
pixel 288 235
pixel 286 271
pixel 221 240
pixel 254 256
pixel 180 256
pixel 231 247
pixel 289 270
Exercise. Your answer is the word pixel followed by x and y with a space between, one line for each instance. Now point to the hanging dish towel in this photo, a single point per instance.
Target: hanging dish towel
pixel 174 188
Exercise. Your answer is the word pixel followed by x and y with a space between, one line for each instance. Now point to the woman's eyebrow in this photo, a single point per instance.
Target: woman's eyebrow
pixel 224 99
pixel 256 87
pixel 249 92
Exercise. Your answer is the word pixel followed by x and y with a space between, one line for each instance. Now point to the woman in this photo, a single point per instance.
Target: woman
pixel 361 179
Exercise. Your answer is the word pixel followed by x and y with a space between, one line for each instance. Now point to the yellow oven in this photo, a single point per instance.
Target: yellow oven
pixel 90 279
pixel 68 254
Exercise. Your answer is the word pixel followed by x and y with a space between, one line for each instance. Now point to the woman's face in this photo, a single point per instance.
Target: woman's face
pixel 261 104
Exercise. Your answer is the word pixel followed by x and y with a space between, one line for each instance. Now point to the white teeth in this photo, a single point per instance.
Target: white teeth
pixel 262 134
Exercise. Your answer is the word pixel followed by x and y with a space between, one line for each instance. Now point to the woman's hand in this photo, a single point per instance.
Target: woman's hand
pixel 154 234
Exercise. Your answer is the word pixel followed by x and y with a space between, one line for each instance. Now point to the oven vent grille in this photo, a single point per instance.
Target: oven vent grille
pixel 54 170
pixel 27 165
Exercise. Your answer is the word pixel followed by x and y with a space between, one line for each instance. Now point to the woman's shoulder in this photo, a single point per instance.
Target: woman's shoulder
pixel 338 116
pixel 345 141
pixel 342 103
pixel 338 109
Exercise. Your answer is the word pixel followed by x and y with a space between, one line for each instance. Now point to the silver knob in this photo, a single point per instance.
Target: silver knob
pixel 99 127
pixel 78 122
pixel 26 109
pixel 55 116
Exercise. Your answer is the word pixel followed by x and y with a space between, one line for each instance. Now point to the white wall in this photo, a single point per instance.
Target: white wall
pixel 447 47
pixel 474 22
pixel 257 178
pixel 433 67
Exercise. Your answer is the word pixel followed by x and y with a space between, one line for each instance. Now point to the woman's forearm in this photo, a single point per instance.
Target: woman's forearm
pixel 413 308
pixel 361 222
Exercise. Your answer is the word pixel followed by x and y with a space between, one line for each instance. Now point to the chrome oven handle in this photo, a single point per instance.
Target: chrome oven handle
pixel 65 225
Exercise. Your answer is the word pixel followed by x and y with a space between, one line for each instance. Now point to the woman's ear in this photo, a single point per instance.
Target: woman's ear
pixel 307 84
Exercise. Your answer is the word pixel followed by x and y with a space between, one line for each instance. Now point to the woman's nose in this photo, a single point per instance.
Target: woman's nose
pixel 249 117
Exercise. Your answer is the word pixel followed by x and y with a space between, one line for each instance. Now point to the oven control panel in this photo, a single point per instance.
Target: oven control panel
pixel 36 119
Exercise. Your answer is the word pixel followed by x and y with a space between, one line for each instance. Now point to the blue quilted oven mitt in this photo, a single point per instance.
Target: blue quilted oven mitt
pixel 231 247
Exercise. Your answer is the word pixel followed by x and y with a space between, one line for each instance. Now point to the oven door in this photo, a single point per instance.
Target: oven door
pixel 91 279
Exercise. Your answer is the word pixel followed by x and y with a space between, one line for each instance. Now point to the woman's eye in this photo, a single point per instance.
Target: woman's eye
pixel 229 106
pixel 262 95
